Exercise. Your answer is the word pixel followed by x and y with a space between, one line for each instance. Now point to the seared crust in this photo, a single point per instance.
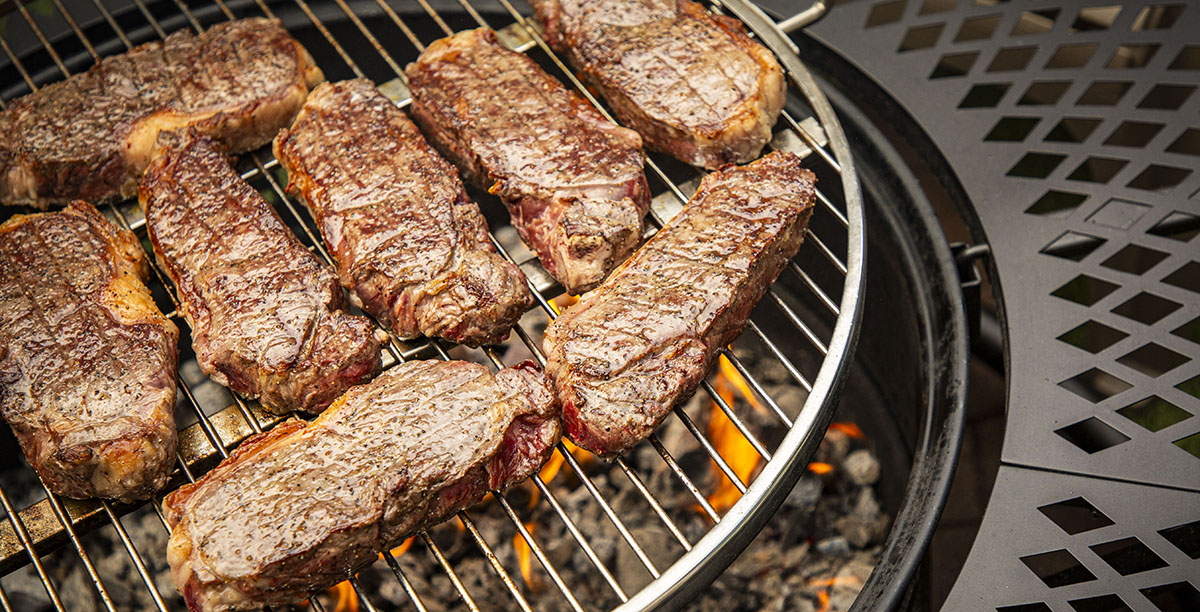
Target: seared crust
pixel 87 361
pixel 265 313
pixel 571 179
pixel 407 240
pixel 692 83
pixel 295 508
pixel 91 135
pixel 631 350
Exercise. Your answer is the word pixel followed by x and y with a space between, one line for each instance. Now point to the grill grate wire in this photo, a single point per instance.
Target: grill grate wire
pixel 257 420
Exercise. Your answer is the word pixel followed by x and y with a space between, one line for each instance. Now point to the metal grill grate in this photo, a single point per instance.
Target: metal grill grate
pixel 374 39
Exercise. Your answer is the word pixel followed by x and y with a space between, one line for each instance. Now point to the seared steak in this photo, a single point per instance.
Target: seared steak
pixel 265 313
pixel 90 136
pixel 408 241
pixel 629 351
pixel 572 180
pixel 692 83
pixel 87 361
pixel 292 510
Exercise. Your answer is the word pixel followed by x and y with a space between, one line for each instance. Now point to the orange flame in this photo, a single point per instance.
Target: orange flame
pixel 849 428
pixel 819 468
pixel 343 592
pixel 732 446
pixel 823 597
pixel 401 549
pixel 533 581
pixel 730 373
pixel 560 303
pixel 828 583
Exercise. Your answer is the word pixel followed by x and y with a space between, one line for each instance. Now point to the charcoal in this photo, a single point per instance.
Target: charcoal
pixel 862 467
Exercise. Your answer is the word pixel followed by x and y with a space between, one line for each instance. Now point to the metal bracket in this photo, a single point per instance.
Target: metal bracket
pixel 805 17
pixel 969 279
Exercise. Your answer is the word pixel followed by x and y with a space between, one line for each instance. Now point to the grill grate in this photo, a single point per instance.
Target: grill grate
pixel 825 323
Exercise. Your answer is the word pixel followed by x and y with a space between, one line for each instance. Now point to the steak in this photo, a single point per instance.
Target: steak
pixel 265 313
pixel 571 179
pixel 692 83
pixel 87 361
pixel 294 509
pixel 407 240
pixel 91 135
pixel 629 351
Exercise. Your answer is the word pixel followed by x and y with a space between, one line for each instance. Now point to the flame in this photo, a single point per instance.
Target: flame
pixel 730 444
pixel 560 303
pixel 819 468
pixel 533 581
pixel 828 583
pixel 823 597
pixel 730 373
pixel 401 549
pixel 344 594
pixel 849 428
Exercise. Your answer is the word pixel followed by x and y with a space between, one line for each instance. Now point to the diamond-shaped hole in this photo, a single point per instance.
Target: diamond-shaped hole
pixel 1035 22
pixel 1167 97
pixel 1012 129
pixel 1098 169
pixel 1178 225
pixel 977 28
pixel 1132 56
pixel 1094 385
pixel 1188 59
pixel 1092 435
pixel 1096 18
pixel 1185 537
pixel 885 13
pixel 1073 245
pixel 1159 178
pixel 984 95
pixel 922 37
pixel 1093 337
pixel 1191 444
pixel 1056 204
pixel 1128 556
pixel 1186 277
pixel 1146 308
pixel 1153 360
pixel 1118 213
pixel 1032 607
pixel 1012 58
pixel 1157 17
pixel 1036 165
pixel 1175 597
pixel 1189 330
pixel 935 6
pixel 1075 515
pixel 1100 603
pixel 1188 143
pixel 1072 56
pixel 1057 568
pixel 1084 289
pixel 1134 259
pixel 1073 129
pixel 1133 134
pixel 1104 93
pixel 1154 413
pixel 1190 386
pixel 954 65
pixel 1044 93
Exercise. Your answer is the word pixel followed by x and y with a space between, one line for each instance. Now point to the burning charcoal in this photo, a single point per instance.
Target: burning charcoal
pixel 837 545
pixel 862 467
pixel 865 524
pixel 834 447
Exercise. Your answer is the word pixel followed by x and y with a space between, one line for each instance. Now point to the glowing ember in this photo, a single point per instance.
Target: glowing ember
pixel 849 428
pixel 732 446
pixel 346 599
pixel 823 597
pixel 533 581
pixel 817 467
pixel 828 583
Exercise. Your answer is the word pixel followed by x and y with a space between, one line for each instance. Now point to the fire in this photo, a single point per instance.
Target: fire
pixel 828 583
pixel 730 373
pixel 560 303
pixel 823 597
pixel 731 444
pixel 346 599
pixel 401 549
pixel 849 428
pixel 523 558
pixel 819 468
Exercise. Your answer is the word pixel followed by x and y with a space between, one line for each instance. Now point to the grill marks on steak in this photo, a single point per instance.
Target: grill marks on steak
pixel 692 83
pixel 87 361
pixel 572 180
pixel 91 135
pixel 265 313
pixel 629 351
pixel 407 240
pixel 295 508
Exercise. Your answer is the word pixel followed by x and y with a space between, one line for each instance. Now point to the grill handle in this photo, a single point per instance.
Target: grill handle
pixel 814 12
